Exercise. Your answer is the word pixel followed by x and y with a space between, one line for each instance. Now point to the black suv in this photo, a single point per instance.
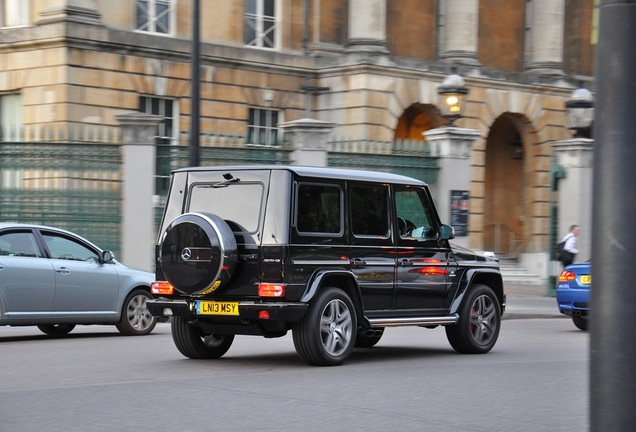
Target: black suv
pixel 333 255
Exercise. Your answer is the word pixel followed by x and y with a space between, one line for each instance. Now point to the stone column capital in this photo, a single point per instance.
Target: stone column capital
pixel 139 128
pixel 309 138
pixel 451 141
pixel 575 152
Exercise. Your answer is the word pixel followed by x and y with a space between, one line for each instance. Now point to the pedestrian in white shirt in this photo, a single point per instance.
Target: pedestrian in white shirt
pixel 569 249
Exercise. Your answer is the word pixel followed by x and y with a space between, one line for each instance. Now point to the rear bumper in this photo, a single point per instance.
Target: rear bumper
pixel 573 301
pixel 248 310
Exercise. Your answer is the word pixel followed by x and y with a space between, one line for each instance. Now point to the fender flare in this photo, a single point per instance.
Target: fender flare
pixel 345 281
pixel 479 275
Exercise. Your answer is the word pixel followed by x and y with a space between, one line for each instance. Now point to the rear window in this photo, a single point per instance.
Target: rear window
pixel 239 204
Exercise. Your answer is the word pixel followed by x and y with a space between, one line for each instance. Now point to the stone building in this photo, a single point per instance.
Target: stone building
pixel 371 67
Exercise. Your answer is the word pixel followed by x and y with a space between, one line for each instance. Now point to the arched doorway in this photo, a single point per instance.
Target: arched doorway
pixel 507 182
pixel 416 119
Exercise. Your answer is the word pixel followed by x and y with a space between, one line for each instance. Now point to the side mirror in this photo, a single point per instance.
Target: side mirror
pixel 107 256
pixel 446 232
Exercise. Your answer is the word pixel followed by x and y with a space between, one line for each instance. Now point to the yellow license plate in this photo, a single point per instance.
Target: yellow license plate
pixel 217 308
pixel 586 279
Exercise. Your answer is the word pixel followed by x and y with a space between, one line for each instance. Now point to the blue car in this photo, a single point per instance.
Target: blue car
pixel 573 293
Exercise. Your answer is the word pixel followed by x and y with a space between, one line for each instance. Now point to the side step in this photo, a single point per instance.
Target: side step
pixel 413 321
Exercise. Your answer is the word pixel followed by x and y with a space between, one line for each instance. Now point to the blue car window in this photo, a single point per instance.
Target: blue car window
pixel 20 244
pixel 65 248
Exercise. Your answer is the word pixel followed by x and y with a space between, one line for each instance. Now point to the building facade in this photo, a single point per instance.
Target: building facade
pixel 371 67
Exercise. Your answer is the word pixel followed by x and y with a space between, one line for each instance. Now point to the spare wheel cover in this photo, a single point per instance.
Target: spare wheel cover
pixel 198 253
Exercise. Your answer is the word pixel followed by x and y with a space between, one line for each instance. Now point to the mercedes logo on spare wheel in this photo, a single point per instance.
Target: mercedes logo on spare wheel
pixel 186 254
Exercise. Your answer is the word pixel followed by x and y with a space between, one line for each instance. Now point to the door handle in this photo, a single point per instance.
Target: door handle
pixel 405 262
pixel 358 262
pixel 63 270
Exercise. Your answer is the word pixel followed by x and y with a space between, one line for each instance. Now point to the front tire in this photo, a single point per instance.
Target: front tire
pixel 580 322
pixel 56 329
pixel 136 319
pixel 327 334
pixel 193 343
pixel 479 322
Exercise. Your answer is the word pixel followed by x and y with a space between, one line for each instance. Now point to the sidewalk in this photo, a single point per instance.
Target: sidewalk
pixel 529 301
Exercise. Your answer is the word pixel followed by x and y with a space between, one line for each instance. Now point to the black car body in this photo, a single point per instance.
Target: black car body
pixel 333 255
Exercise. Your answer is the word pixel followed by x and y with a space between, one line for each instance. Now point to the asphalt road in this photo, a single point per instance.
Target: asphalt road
pixel 536 378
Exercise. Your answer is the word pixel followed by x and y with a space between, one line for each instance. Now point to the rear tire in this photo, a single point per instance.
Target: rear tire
pixel 580 322
pixel 56 329
pixel 479 322
pixel 327 333
pixel 193 343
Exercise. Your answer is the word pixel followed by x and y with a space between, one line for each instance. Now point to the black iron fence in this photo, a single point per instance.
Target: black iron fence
pixel 74 180
pixel 72 185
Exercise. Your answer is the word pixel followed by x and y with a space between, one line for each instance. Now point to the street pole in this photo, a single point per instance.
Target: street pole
pixel 195 85
pixel 612 327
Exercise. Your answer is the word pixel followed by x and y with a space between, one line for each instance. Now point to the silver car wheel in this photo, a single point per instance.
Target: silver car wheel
pixel 336 327
pixel 136 319
pixel 138 314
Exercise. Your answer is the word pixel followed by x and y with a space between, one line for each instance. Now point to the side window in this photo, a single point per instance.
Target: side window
pixel 414 214
pixel 168 135
pixel 262 128
pixel 369 210
pixel 261 23
pixel 19 244
pixel 10 117
pixel 154 16
pixel 65 248
pixel 14 13
pixel 319 209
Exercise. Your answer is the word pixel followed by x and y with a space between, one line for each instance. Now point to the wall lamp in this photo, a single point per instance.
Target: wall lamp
pixel 579 111
pixel 452 94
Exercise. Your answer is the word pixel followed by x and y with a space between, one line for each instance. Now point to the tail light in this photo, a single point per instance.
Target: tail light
pixel 161 288
pixel 567 276
pixel 271 290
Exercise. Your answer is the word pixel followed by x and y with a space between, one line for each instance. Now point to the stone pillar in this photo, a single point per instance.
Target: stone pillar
pixel 138 234
pixel 309 139
pixel 546 45
pixel 461 32
pixel 453 146
pixel 575 156
pixel 367 26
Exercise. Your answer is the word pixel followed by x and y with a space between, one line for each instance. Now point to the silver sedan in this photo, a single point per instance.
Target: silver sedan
pixel 55 279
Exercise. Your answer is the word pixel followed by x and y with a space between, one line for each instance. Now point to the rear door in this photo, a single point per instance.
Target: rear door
pixel 318 240
pixel 372 253
pixel 27 280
